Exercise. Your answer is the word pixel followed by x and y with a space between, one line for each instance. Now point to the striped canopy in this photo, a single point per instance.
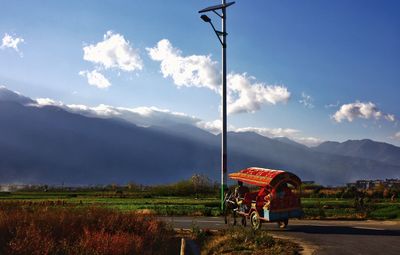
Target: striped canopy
pixel 263 176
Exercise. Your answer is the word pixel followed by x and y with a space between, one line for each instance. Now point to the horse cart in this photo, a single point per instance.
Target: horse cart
pixel 276 200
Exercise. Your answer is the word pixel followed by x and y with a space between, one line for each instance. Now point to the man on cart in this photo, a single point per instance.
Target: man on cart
pixel 240 192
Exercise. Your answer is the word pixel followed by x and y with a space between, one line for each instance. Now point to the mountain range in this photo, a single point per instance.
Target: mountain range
pixel 49 144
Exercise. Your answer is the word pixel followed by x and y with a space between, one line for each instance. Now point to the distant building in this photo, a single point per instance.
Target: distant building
pixel 371 184
pixel 392 183
pixel 12 187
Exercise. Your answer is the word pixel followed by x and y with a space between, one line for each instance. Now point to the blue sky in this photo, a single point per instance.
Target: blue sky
pixel 323 70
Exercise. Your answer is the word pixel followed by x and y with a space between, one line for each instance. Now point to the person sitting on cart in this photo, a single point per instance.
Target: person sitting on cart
pixel 264 197
pixel 240 192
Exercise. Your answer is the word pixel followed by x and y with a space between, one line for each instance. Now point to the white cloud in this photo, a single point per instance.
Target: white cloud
pixel 290 133
pixel 363 110
pixel 293 134
pixel 153 116
pixel 113 52
pixel 191 71
pixel 101 110
pixel 306 100
pixel 397 135
pixel 96 79
pixel 48 101
pixel 390 117
pixel 11 42
pixel 309 141
pixel 270 132
pixel 142 116
pixel 214 127
pixel 244 93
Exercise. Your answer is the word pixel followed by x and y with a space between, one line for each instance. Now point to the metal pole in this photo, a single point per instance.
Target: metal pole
pixel 224 158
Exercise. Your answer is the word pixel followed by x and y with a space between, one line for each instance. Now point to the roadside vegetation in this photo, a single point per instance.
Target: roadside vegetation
pixel 42 229
pixel 116 219
pixel 246 241
pixel 198 196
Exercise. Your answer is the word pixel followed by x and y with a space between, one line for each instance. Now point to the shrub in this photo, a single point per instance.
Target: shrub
pixel 48 230
pixel 247 241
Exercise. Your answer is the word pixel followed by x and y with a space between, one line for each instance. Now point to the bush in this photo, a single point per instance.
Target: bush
pixel 247 241
pixel 390 212
pixel 47 230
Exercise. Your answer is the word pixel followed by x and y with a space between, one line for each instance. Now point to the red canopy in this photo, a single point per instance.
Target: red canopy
pixel 263 176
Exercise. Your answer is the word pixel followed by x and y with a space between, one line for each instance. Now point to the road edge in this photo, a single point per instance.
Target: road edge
pixel 306 247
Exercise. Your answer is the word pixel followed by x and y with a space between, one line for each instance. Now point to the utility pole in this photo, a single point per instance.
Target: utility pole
pixel 221 34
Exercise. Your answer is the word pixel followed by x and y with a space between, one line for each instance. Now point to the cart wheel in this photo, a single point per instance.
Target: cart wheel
pixel 244 221
pixel 255 220
pixel 283 224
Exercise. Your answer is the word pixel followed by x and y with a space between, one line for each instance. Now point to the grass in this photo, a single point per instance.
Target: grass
pixel 314 208
pixel 245 241
pixel 386 213
pixel 113 223
pixel 39 229
pixel 129 202
pixel 334 208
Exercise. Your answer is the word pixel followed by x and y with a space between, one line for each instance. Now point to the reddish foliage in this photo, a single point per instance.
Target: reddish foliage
pixel 36 229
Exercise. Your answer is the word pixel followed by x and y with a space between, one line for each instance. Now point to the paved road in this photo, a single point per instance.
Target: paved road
pixel 323 237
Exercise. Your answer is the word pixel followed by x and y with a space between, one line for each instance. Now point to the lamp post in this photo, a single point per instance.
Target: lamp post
pixel 222 39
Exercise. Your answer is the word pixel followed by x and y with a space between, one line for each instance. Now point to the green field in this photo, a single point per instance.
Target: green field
pixel 318 208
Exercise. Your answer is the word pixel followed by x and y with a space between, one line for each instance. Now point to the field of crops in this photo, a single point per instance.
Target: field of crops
pixel 321 208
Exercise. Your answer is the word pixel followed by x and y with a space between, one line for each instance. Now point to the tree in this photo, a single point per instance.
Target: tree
pixel 201 183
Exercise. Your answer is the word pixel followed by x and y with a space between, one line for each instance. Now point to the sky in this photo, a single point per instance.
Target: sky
pixel 309 70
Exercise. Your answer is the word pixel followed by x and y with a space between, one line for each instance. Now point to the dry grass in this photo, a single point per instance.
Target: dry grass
pixel 49 230
pixel 246 241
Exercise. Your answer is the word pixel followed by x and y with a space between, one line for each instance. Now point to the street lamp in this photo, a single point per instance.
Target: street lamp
pixel 222 39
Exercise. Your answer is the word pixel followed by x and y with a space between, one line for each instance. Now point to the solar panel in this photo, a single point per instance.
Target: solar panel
pixel 216 7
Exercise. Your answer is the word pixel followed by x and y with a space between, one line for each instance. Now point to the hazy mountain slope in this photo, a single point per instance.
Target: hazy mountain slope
pixel 366 148
pixel 310 165
pixel 51 145
pixel 289 141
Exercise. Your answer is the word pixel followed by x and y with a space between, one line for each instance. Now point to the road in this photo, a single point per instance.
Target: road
pixel 320 237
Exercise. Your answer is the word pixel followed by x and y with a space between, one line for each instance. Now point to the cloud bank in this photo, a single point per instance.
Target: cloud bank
pixel 362 110
pixel 290 133
pixel 245 94
pixel 271 132
pixel 141 116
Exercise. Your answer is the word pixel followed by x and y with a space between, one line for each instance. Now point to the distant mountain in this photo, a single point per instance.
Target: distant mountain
pixel 51 145
pixel 12 96
pixel 289 141
pixel 366 148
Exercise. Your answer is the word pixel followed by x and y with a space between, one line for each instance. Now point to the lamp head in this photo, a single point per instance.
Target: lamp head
pixel 205 18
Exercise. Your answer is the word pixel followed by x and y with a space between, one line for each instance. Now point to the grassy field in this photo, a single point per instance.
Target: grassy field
pixel 161 205
pixel 319 208
pixel 336 208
